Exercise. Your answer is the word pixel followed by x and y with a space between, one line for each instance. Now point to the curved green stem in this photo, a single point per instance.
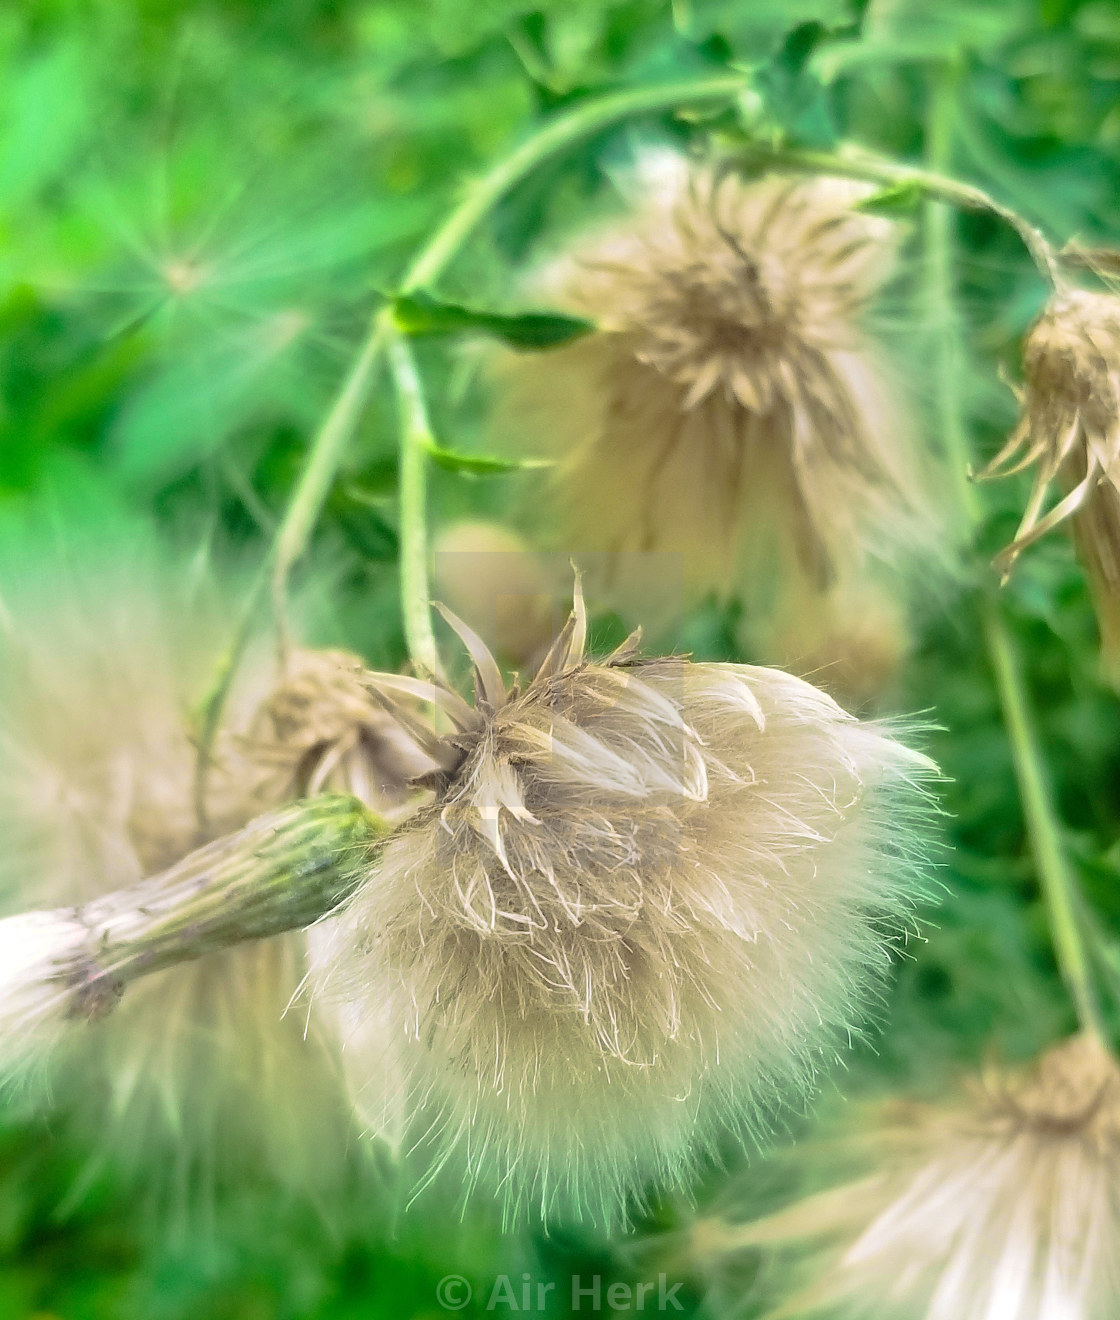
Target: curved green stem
pixel 1059 886
pixel 323 457
pixel 853 162
pixel 326 450
pixel 561 132
pixel 430 263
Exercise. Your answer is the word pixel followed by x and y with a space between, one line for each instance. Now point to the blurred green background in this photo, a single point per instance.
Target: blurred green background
pixel 200 206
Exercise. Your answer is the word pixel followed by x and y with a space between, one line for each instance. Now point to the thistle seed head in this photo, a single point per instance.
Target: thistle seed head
pixel 104 657
pixel 1003 1204
pixel 320 730
pixel 647 900
pixel 730 407
pixel 1069 431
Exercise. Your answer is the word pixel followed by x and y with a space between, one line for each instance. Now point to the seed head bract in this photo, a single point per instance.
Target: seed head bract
pixel 648 899
pixel 1069 431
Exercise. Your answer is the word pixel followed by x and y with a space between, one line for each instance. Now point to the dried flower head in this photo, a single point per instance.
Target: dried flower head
pixel 320 730
pixel 647 898
pixel 1070 430
pixel 729 406
pixel 1006 1205
pixel 103 657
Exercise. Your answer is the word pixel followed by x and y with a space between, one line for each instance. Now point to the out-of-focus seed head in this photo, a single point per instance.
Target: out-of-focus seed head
pixel 851 641
pixel 1003 1204
pixel 647 900
pixel 105 655
pixel 730 408
pixel 319 730
pixel 1069 431
pixel 492 576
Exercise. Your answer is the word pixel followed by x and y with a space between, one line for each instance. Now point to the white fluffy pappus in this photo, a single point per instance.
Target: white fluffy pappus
pixel 34 1009
pixel 648 900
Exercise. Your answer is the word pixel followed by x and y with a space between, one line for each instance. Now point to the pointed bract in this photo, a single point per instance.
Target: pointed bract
pixel 1069 431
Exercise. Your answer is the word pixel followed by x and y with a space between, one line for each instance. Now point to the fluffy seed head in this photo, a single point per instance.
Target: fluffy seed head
pixel 1006 1205
pixel 729 392
pixel 1069 430
pixel 646 898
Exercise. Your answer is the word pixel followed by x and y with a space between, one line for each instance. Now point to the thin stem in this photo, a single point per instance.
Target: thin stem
pixel 214 702
pixel 415 439
pixel 326 450
pixel 940 298
pixel 329 444
pixel 1058 883
pixel 561 132
pixel 323 459
pixel 304 506
pixel 426 268
pixel 857 163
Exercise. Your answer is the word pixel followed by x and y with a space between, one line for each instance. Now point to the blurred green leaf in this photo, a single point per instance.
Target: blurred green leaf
pixel 421 314
pixel 901 199
pixel 480 465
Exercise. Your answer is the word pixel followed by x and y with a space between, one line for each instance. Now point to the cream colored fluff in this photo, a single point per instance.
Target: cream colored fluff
pixel 1002 1206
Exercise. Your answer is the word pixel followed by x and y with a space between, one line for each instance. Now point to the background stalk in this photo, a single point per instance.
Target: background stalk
pixel 938 231
pixel 415 439
pixel 851 162
pixel 1055 878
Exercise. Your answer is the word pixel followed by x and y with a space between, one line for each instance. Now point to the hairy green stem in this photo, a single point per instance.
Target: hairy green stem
pixel 1059 886
pixel 282 872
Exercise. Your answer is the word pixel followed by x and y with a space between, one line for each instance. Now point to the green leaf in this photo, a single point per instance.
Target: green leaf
pixel 421 314
pixel 480 465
